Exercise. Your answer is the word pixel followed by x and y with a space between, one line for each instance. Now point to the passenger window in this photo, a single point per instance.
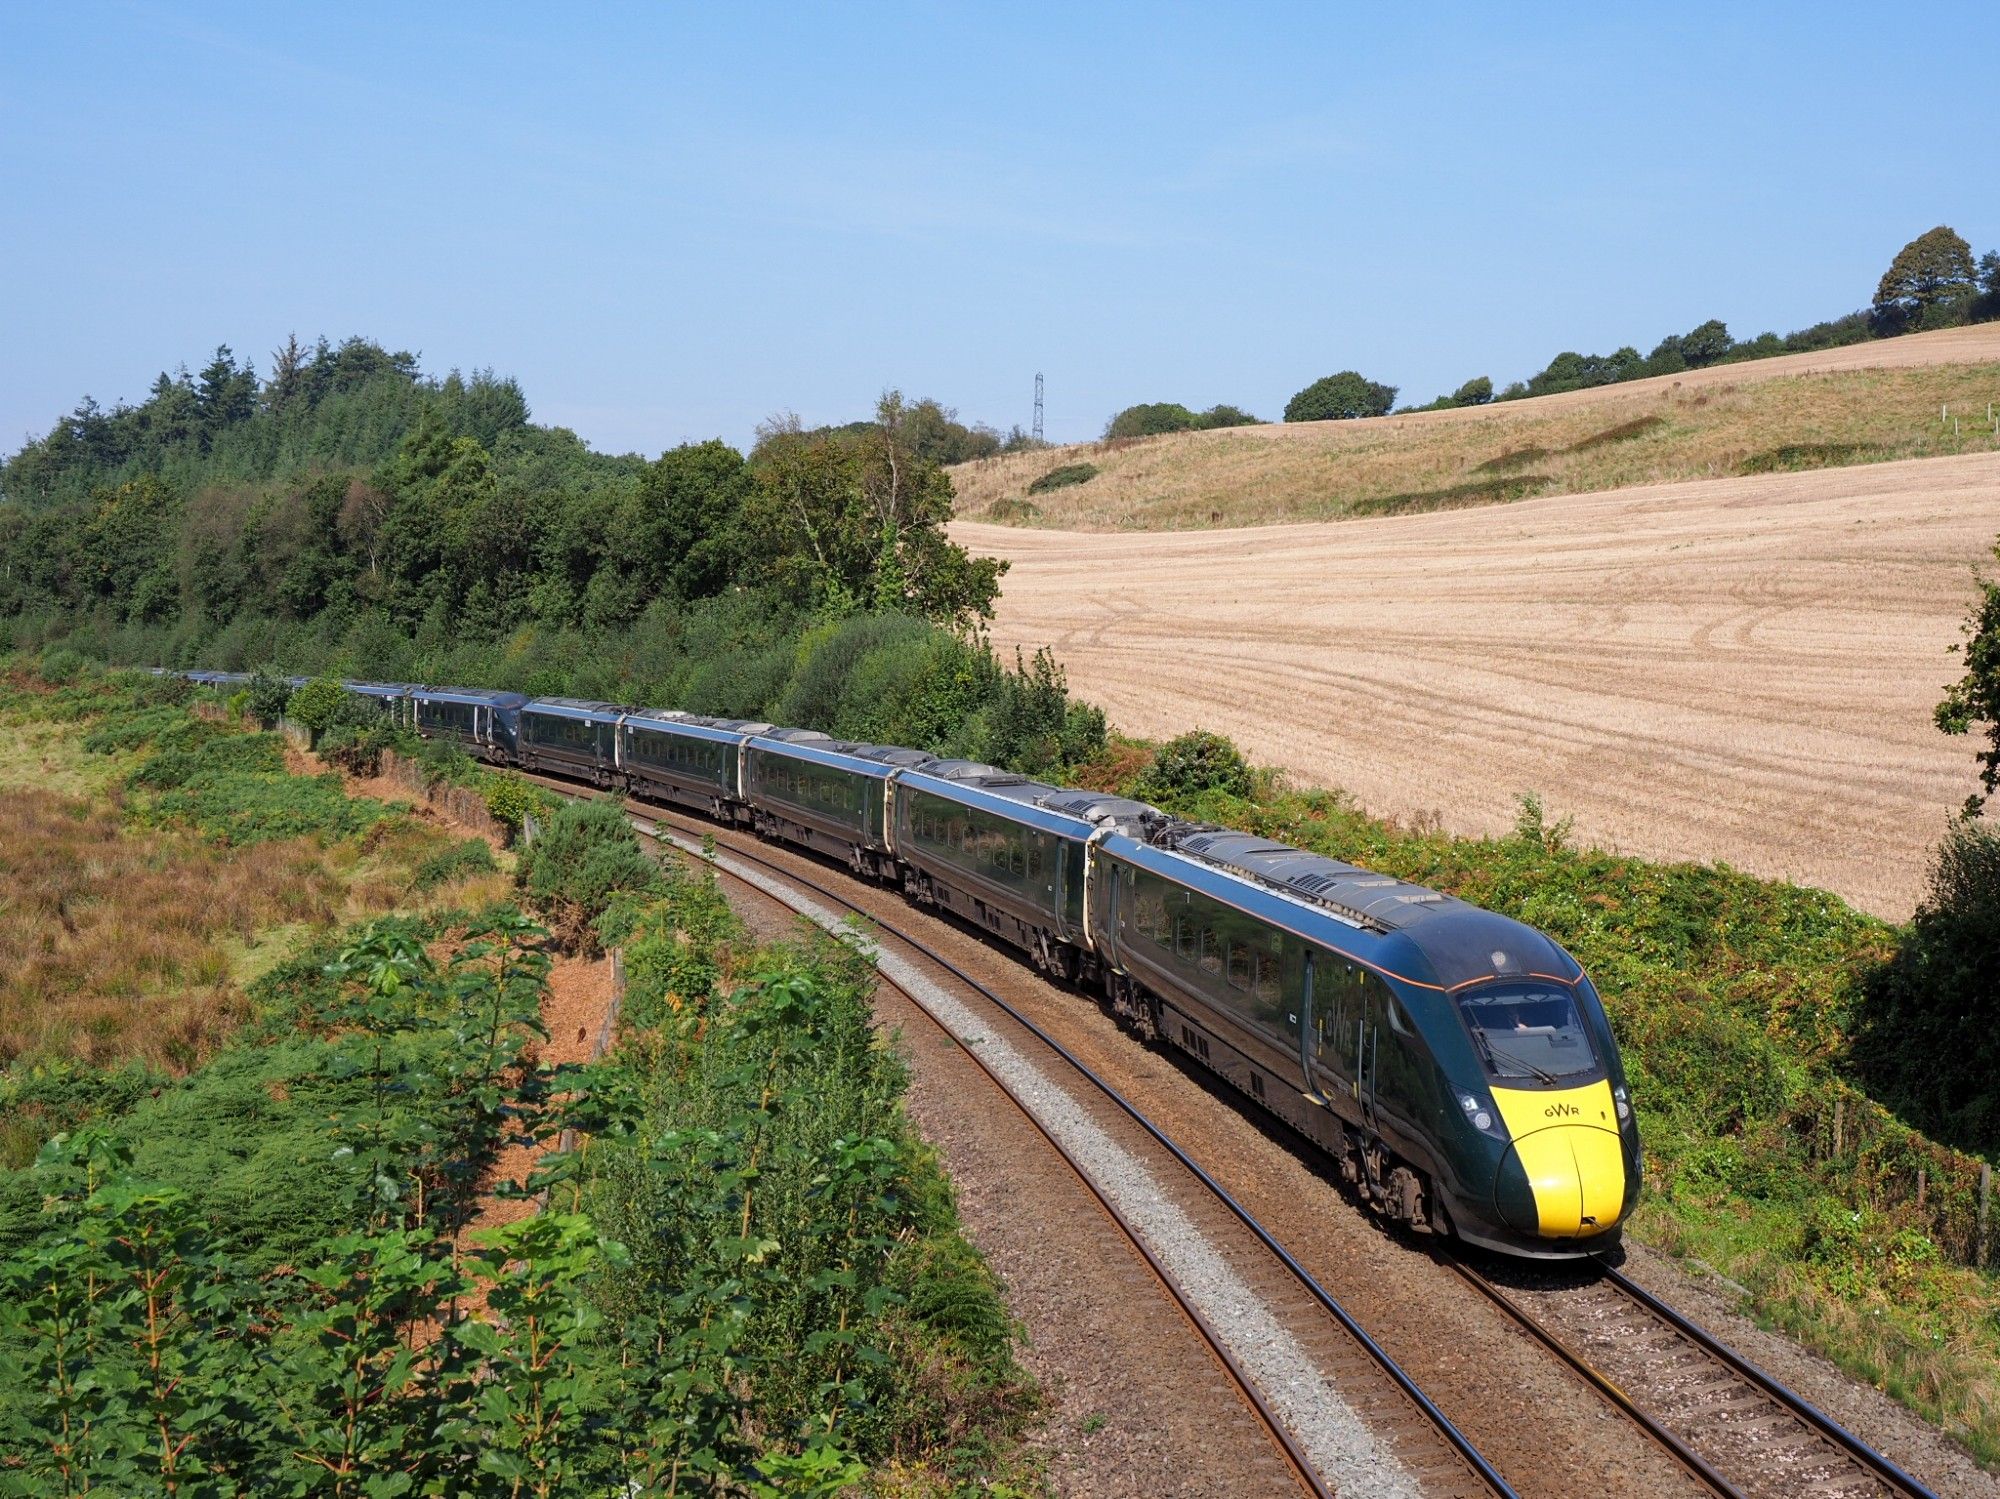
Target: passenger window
pixel 1265 983
pixel 1211 952
pixel 1239 966
pixel 1185 942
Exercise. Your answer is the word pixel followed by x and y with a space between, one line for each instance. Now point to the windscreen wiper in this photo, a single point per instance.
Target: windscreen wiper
pixel 1520 1061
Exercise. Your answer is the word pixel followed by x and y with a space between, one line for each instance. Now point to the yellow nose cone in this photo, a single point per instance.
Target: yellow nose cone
pixel 1568 1145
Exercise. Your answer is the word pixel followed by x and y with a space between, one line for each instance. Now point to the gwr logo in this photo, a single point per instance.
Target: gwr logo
pixel 1560 1110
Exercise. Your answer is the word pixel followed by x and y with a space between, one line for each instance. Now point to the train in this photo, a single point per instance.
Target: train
pixel 1456 1064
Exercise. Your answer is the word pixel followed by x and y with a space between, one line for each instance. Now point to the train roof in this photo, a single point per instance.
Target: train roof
pixel 1462 943
pixel 573 707
pixel 488 695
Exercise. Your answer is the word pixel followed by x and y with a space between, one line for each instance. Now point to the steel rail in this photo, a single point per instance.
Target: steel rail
pixel 1246 1387
pixel 1877 1464
pixel 1685 1455
pixel 1443 1424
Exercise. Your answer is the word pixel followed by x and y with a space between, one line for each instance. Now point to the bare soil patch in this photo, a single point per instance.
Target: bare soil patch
pixel 1741 669
pixel 1867 403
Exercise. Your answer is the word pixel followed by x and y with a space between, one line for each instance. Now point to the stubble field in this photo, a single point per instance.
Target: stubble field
pixel 1736 669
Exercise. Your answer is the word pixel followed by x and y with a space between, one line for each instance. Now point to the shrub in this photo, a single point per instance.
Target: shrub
pixel 586 855
pixel 317 704
pixel 1927 1041
pixel 455 863
pixel 1064 477
pixel 269 693
pixel 61 667
pixel 1340 397
pixel 1195 764
pixel 1150 419
pixel 510 800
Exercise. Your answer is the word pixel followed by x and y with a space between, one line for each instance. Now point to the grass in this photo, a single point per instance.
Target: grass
pixel 1734 1000
pixel 154 865
pixel 1733 419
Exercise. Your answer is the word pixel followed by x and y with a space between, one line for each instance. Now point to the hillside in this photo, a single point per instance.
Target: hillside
pixel 1740 670
pixel 1864 403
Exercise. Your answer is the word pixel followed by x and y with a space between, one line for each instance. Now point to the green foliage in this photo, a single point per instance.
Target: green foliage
pixel 1150 420
pixel 318 703
pixel 1793 457
pixel 1195 764
pixel 469 857
pixel 269 694
pixel 1975 697
pixel 1340 397
pixel 60 667
pixel 1063 476
pixel 510 801
pixel 234 788
pixel 1927 1042
pixel 1934 269
pixel 583 856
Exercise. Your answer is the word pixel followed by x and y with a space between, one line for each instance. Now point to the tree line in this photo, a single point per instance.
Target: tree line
pixel 1934 282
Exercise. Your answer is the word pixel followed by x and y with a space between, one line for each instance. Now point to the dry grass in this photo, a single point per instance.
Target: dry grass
pixel 113 944
pixel 1740 669
pixel 1863 404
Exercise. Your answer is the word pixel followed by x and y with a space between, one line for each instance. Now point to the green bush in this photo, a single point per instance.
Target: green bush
pixel 582 857
pixel 1927 1042
pixel 1340 397
pixel 268 696
pixel 60 667
pixel 319 703
pixel 455 863
pixel 1063 477
pixel 1195 764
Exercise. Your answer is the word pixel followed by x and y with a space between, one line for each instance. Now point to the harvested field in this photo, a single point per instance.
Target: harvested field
pixel 1867 403
pixel 1740 669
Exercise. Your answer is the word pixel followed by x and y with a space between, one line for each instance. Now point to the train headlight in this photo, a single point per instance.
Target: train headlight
pixel 1477 1112
pixel 1624 1103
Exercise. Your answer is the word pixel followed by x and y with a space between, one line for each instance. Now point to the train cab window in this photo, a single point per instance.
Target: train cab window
pixel 1528 1031
pixel 1035 860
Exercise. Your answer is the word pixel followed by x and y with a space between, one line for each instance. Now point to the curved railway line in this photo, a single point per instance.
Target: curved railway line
pixel 1437 1456
pixel 1734 1429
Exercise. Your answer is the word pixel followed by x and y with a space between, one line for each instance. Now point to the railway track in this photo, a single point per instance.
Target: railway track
pixel 1730 1424
pixel 1735 1429
pixel 1399 1419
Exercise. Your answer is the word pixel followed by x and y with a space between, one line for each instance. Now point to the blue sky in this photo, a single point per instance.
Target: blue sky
pixel 671 221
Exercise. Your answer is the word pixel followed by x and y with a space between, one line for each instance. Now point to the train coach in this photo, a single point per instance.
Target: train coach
pixel 1457 1064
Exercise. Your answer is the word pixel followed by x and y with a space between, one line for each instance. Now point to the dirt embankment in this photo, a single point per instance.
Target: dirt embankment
pixel 1739 669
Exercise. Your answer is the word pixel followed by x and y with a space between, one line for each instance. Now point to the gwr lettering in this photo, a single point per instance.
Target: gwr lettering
pixel 1559 1110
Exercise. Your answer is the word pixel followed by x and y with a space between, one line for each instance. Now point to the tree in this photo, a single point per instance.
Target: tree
pixel 1934 267
pixel 1705 344
pixel 1150 419
pixel 1975 697
pixel 1989 272
pixel 1340 397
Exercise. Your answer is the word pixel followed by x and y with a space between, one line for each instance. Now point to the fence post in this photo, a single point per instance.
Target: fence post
pixel 1838 1104
pixel 1985 1202
pixel 1922 1182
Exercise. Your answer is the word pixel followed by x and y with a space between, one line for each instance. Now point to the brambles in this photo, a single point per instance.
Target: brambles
pixel 1195 764
pixel 1063 476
